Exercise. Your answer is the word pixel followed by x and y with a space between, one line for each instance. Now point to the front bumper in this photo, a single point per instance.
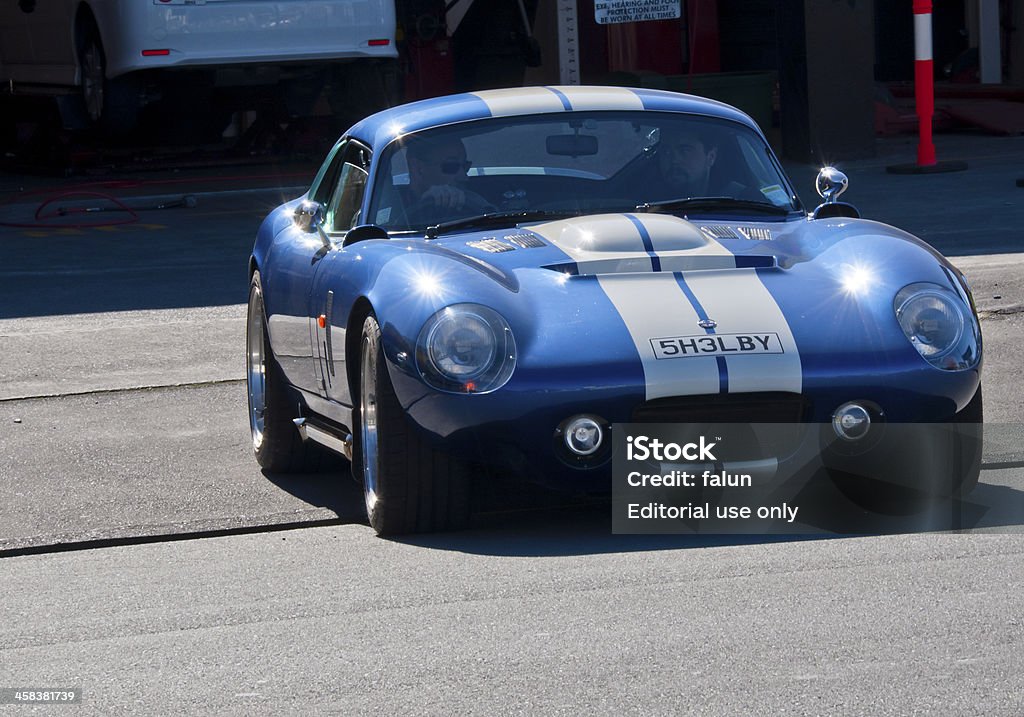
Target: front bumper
pixel 518 427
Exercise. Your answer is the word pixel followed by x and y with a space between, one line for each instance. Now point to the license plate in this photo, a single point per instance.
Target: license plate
pixel 671 347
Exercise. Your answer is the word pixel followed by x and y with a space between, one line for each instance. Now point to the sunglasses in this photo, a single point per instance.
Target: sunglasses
pixel 455 166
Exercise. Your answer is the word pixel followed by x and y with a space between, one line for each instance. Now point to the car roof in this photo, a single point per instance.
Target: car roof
pixel 379 129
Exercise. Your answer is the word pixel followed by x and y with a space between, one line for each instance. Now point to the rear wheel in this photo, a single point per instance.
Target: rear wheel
pixel 275 440
pixel 408 485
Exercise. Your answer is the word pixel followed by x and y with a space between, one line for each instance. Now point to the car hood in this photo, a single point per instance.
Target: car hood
pixel 820 291
pixel 675 307
pixel 630 243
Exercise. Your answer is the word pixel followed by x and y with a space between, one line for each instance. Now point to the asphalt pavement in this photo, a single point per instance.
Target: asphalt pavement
pixel 556 618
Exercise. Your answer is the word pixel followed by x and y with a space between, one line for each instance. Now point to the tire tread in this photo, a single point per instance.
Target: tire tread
pixel 416 481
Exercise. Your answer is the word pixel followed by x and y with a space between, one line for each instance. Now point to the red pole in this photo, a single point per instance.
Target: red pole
pixel 924 96
pixel 924 78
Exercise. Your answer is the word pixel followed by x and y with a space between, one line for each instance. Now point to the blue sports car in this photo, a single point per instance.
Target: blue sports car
pixel 495 278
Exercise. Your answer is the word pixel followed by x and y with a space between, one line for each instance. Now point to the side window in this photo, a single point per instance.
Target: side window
pixel 326 180
pixel 343 209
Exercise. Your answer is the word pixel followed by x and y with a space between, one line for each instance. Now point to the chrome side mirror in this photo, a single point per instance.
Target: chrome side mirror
pixel 830 184
pixel 309 215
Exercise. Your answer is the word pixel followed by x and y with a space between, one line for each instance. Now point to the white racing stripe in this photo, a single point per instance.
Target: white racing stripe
pixel 535 100
pixel 653 305
pixel 739 302
pixel 681 246
pixel 605 244
pixel 611 244
pixel 601 98
pixel 520 101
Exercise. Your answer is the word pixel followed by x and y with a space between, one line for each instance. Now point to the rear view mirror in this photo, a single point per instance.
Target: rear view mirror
pixel 572 145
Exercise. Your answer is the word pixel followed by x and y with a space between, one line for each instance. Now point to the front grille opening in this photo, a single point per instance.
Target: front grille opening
pixel 737 421
pixel 769 407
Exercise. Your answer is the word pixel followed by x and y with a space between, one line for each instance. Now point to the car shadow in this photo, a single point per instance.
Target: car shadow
pixel 332 489
pixel 584 527
pixel 512 517
pixel 518 520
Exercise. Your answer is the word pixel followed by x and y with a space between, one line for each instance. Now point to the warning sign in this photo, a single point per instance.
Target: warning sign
pixel 608 12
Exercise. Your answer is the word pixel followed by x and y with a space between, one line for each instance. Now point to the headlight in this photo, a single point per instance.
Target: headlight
pixel 466 348
pixel 939 325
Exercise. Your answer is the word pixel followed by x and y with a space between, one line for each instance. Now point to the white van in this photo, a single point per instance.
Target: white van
pixel 118 54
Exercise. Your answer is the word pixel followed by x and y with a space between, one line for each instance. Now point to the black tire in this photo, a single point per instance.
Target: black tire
pixel 953 476
pixel 275 440
pixel 970 439
pixel 409 486
pixel 111 105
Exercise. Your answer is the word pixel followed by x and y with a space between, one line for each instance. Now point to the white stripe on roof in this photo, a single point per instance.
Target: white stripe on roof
pixel 520 101
pixel 601 98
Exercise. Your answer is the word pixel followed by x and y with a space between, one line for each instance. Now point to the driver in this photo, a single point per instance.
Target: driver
pixel 436 167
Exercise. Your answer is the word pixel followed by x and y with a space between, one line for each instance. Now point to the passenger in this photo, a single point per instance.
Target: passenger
pixel 685 160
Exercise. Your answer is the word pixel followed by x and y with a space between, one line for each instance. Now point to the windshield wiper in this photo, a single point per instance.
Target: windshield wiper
pixel 714 204
pixel 496 219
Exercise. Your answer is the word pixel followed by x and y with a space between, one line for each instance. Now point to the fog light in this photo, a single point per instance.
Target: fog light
pixel 851 421
pixel 583 435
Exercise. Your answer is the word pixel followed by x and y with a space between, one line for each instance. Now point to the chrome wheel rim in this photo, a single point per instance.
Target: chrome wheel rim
pixel 368 423
pixel 92 81
pixel 256 368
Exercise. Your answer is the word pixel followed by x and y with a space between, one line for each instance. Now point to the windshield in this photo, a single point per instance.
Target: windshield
pixel 573 163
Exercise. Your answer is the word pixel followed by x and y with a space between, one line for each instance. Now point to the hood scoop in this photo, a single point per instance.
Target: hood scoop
pixel 633 243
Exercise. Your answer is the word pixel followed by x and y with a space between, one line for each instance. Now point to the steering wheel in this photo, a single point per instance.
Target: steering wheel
pixel 425 211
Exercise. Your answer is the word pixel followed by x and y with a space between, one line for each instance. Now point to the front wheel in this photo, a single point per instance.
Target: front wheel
pixel 970 435
pixel 917 463
pixel 408 485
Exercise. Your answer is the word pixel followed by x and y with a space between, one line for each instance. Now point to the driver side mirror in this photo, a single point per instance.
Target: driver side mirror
pixel 309 215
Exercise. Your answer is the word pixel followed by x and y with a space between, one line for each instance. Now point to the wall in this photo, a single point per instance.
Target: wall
pixel 826 79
